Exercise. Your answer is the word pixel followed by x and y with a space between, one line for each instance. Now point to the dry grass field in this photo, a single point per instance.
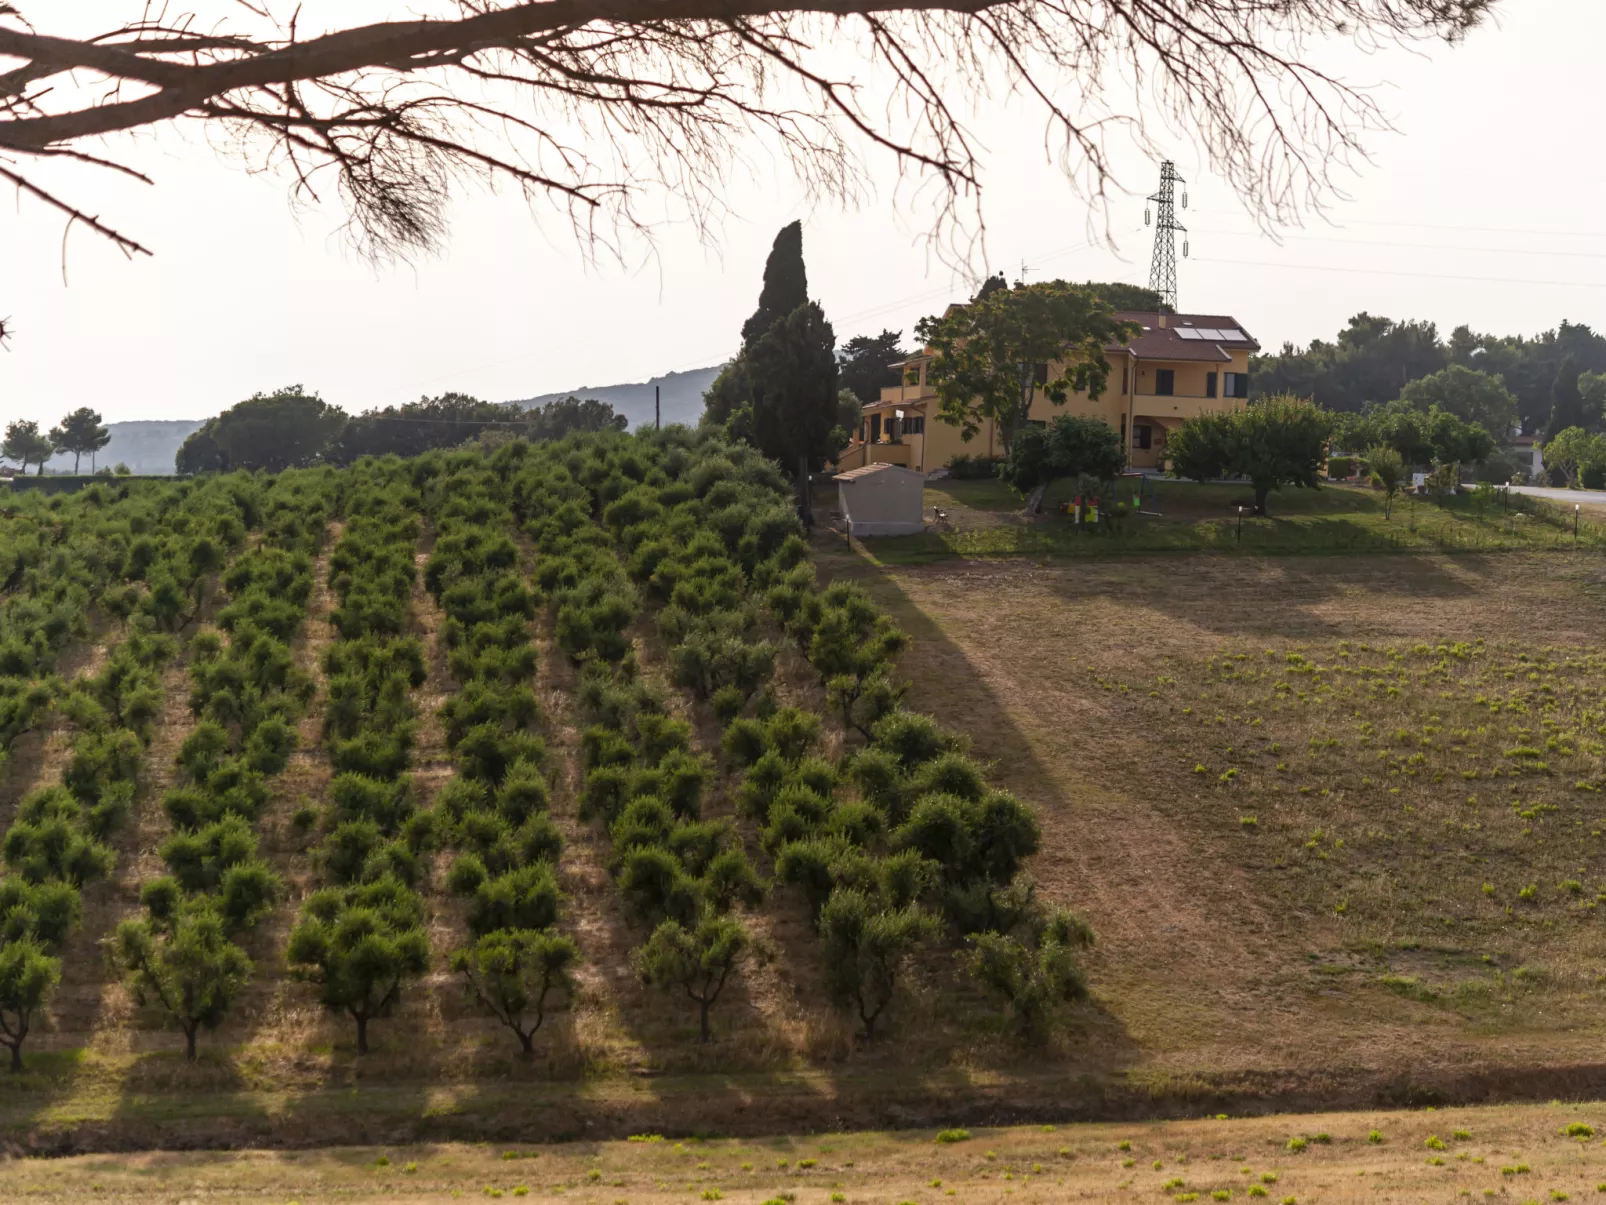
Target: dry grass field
pixel 1538 1153
pixel 1337 821
pixel 984 519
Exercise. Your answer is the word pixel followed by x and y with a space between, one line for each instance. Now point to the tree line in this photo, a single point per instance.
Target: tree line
pixel 292 427
pixel 1541 385
pixel 81 433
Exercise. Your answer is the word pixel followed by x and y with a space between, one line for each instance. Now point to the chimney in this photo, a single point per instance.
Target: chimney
pixel 1162 320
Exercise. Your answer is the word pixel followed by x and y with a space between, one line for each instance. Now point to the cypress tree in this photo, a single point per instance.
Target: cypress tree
pixel 780 391
pixel 1566 403
pixel 786 283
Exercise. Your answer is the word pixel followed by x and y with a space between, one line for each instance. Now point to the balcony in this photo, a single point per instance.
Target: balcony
pixel 1182 405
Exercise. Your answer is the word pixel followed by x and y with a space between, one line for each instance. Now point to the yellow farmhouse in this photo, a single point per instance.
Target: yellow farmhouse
pixel 1177 366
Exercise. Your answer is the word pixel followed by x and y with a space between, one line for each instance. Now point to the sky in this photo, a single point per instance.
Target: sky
pixel 1487 206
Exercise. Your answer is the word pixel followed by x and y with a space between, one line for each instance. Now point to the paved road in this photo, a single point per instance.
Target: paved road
pixel 1585 497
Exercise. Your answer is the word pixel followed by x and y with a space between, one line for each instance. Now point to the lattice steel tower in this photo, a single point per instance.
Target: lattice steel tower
pixel 1163 268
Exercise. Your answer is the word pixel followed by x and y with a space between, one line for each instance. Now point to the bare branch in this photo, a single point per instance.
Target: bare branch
pixel 591 104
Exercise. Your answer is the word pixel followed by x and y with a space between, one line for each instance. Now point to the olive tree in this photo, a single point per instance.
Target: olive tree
pixel 191 970
pixel 697 961
pixel 1034 975
pixel 511 972
pixel 867 946
pixel 27 977
pixel 359 945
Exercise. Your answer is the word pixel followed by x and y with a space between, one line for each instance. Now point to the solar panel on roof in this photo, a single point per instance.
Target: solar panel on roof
pixel 1210 332
pixel 1188 332
pixel 1232 334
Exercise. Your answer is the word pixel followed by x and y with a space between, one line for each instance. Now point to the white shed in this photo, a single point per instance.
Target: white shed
pixel 882 500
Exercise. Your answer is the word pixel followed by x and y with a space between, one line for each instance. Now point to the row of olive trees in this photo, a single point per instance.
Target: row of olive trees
pixel 361 935
pixel 493 815
pixel 81 433
pixel 247 694
pixel 897 847
pixel 141 560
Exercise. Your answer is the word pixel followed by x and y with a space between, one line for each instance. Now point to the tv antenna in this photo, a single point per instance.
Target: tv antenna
pixel 1163 267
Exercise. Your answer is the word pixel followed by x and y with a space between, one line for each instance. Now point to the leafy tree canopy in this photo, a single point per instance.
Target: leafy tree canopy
pixel 27 977
pixel 191 969
pixel 359 945
pixel 865 363
pixel 1573 451
pixel 1388 473
pixel 26 444
pixel 271 431
pixel 1070 445
pixel 557 419
pixel 81 432
pixel 1276 442
pixel 1420 437
pixel 1133 299
pixel 1475 397
pixel 416 427
pixel 697 961
pixel 1566 402
pixel 1373 360
pixel 511 972
pixel 996 354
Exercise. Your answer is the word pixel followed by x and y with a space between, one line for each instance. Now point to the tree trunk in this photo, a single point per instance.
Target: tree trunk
pixel 16 1055
pixel 40 472
pixel 1260 497
pixel 704 1005
pixel 189 1042
pixel 1034 501
pixel 805 504
pixel 362 1035
pixel 76 457
pixel 527 1040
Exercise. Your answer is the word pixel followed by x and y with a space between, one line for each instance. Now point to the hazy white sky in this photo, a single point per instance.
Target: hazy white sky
pixel 1487 207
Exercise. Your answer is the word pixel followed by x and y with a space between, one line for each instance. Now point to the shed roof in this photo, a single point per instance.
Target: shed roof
pixel 866 470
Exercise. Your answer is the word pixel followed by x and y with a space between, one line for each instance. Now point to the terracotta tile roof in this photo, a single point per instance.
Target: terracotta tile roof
pixel 1156 342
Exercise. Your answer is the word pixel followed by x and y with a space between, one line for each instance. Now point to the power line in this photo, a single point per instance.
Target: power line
pixel 1362 242
pixel 1222 213
pixel 1494 280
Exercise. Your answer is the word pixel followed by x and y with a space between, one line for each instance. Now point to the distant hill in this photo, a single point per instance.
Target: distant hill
pixel 145 447
pixel 682 397
pixel 149 447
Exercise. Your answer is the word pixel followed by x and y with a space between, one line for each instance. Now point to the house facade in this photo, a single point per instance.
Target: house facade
pixel 1177 366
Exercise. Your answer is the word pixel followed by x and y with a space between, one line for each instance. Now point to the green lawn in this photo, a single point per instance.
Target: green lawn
pixel 1179 516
